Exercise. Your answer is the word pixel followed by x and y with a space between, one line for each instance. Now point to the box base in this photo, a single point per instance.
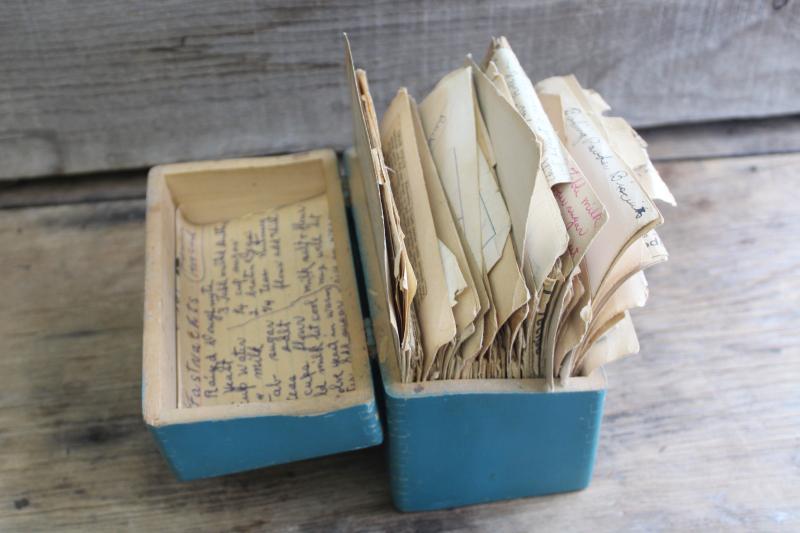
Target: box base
pixel 450 450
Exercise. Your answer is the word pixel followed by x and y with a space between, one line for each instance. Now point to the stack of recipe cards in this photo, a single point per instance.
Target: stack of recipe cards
pixel 518 220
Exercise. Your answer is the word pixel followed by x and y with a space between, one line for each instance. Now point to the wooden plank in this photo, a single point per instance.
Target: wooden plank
pixel 111 85
pixel 60 190
pixel 724 139
pixel 700 430
pixel 665 143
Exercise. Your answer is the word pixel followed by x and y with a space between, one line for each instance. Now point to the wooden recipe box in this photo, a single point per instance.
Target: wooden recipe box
pixel 450 443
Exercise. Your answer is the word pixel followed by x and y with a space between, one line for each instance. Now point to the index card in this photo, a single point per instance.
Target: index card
pixel 260 311
pixel 530 108
pixel 448 121
pixel 456 283
pixel 538 231
pixel 405 283
pixel 399 279
pixel 631 212
pixel 584 216
pixel 642 254
pixel 449 124
pixel 628 149
pixel 632 293
pixel 633 150
pixel 372 175
pixel 505 280
pixel 468 306
pixel 618 342
pixel 630 146
pixel 436 322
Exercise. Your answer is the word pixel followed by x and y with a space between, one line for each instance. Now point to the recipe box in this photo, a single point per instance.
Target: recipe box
pixel 461 442
pixel 450 443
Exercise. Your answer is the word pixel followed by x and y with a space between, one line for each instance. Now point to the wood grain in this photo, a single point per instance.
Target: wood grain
pixel 665 143
pixel 110 84
pixel 724 139
pixel 61 190
pixel 700 431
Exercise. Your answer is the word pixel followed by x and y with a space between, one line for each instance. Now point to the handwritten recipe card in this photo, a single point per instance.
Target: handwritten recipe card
pixel 260 311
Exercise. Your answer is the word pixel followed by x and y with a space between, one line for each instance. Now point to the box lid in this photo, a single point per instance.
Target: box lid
pixel 218 439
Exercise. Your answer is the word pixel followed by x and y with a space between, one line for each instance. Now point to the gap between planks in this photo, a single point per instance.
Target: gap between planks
pixel 711 140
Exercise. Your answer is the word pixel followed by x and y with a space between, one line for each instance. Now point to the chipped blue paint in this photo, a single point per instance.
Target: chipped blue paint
pixel 455 449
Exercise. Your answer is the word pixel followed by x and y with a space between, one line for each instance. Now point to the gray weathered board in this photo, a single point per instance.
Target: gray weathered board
pixel 701 431
pixel 110 84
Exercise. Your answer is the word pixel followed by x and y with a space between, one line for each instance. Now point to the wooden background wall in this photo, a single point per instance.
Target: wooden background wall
pixel 92 85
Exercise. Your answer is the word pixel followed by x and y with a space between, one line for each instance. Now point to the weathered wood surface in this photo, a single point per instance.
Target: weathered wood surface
pixel 700 431
pixel 110 84
pixel 724 139
pixel 665 143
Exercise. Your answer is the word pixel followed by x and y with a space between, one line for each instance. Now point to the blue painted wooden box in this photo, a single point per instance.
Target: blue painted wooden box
pixel 449 443
pixel 461 442
pixel 458 444
pixel 453 443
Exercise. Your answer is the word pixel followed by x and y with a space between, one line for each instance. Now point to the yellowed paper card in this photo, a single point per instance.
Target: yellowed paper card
pixel 456 283
pixel 631 212
pixel 372 174
pixel 530 108
pixel 399 279
pixel 260 312
pixel 505 280
pixel 537 229
pixel 618 342
pixel 468 307
pixel 447 118
pixel 632 293
pixel 432 298
pixel 633 150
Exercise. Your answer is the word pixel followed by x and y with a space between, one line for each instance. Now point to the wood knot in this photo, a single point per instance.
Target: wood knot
pixel 21 503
